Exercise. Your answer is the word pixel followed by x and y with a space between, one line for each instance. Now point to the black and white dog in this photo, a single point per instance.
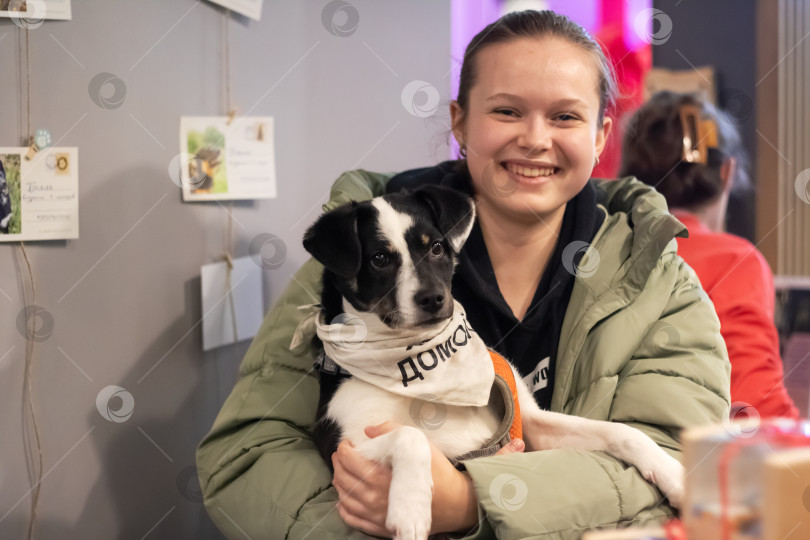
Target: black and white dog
pixel 5 201
pixel 388 320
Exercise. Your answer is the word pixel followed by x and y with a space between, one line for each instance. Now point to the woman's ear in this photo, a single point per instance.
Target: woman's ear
pixel 727 171
pixel 602 134
pixel 457 122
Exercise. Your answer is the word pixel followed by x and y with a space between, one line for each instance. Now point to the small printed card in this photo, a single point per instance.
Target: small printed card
pixel 39 197
pixel 248 8
pixel 30 13
pixel 231 304
pixel 226 161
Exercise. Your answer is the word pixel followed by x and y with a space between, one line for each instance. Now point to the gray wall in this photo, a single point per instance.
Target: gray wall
pixel 124 298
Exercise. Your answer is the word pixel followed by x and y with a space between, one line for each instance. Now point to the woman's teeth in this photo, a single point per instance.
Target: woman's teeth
pixel 529 171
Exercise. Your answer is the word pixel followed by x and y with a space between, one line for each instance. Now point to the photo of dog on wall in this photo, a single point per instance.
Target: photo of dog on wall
pixel 13 5
pixel 207 169
pixel 10 194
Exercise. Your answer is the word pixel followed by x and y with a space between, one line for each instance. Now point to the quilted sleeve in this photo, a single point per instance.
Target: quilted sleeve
pixel 659 377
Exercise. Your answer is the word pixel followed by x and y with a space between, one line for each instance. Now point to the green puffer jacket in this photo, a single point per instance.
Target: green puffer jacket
pixel 640 344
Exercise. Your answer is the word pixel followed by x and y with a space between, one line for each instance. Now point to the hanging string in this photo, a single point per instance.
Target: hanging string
pixel 226 23
pixel 34 463
pixel 33 456
pixel 28 91
pixel 229 262
pixel 227 256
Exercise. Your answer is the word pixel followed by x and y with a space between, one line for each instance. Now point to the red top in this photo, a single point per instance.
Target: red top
pixel 740 284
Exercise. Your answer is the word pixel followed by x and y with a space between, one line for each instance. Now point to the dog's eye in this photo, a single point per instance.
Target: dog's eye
pixel 437 249
pixel 379 260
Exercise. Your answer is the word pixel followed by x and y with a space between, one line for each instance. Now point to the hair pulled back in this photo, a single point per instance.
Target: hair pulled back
pixel 537 24
pixel 653 151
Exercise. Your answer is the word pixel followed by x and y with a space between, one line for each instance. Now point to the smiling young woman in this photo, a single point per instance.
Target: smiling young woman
pixel 569 278
pixel 532 126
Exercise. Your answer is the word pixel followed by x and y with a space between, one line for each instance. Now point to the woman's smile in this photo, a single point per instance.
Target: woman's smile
pixel 531 174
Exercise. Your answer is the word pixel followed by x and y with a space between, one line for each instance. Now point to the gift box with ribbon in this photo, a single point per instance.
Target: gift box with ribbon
pixel 748 480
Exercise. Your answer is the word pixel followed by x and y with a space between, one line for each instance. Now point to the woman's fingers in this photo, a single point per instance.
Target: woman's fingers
pixel 514 446
pixel 359 523
pixel 362 469
pixel 381 429
pixel 354 507
pixel 361 490
pixel 362 487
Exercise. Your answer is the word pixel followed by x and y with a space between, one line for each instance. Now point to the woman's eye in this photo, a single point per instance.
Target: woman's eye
pixel 379 260
pixel 437 249
pixel 507 112
pixel 565 117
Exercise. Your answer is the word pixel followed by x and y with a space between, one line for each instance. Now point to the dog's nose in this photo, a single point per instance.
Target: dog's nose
pixel 430 301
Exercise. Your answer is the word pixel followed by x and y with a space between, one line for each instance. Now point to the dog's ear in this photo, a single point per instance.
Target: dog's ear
pixel 452 211
pixel 334 241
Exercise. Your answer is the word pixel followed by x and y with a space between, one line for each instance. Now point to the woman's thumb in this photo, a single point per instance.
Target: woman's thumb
pixel 514 446
pixel 380 429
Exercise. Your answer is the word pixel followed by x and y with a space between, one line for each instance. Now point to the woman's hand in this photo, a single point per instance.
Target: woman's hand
pixel 363 486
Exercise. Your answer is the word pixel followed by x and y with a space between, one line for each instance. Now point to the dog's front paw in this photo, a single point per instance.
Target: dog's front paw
pixel 409 513
pixel 408 523
pixel 668 474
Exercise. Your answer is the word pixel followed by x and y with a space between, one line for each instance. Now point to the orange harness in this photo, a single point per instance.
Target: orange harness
pixel 502 368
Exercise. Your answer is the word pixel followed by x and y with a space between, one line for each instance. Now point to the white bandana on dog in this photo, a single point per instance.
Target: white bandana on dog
pixel 448 362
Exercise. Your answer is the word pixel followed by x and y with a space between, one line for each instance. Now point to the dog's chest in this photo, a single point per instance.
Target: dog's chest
pixel 455 430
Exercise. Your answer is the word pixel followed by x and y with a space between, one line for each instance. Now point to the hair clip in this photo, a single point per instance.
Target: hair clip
pixel 699 134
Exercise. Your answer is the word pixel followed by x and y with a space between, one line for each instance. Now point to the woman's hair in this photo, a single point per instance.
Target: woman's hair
pixel 653 151
pixel 537 24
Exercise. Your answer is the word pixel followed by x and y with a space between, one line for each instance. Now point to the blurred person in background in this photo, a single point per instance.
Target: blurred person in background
pixel 692 154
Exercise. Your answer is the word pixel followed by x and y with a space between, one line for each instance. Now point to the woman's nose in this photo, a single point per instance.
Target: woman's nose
pixel 535 136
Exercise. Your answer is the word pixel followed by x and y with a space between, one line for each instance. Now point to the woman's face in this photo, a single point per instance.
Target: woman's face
pixel 531 129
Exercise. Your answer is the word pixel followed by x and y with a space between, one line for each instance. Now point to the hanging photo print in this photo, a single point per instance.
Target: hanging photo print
pixel 248 8
pixel 31 13
pixel 39 197
pixel 224 160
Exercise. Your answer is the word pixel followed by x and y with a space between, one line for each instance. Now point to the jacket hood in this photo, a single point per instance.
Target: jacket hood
pixel 356 185
pixel 651 229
